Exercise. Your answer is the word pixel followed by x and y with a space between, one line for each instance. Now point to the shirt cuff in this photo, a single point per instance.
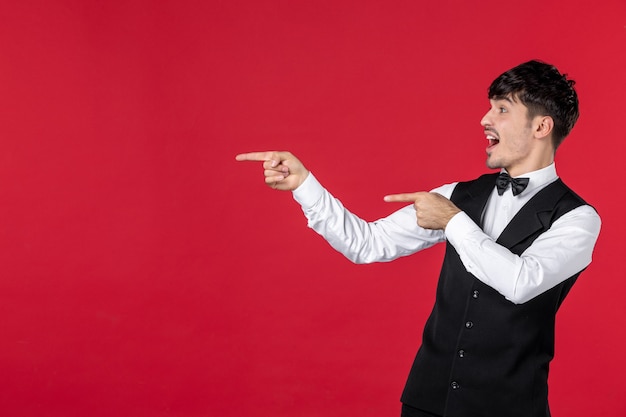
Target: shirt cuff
pixel 309 192
pixel 459 227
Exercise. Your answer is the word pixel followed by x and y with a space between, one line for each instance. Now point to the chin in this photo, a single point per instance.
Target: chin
pixel 493 164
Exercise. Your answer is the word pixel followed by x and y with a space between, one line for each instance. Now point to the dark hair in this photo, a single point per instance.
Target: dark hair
pixel 544 91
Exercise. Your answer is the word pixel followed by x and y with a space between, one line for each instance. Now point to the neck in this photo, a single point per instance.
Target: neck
pixel 533 165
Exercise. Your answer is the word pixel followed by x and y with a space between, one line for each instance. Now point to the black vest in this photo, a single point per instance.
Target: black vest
pixel 482 355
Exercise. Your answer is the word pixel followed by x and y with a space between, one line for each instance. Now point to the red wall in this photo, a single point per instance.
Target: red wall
pixel 144 272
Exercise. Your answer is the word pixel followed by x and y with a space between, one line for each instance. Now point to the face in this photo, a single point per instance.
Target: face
pixel 509 132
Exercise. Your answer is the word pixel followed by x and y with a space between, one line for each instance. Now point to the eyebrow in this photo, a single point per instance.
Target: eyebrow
pixel 504 98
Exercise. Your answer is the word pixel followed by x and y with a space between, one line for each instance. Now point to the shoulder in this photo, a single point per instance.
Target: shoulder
pixel 484 181
pixel 477 186
pixel 569 198
pixel 445 190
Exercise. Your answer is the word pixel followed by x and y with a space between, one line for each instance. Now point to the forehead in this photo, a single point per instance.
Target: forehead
pixel 510 100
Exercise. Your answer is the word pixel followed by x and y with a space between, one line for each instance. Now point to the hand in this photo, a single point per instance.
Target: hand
pixel 283 171
pixel 433 210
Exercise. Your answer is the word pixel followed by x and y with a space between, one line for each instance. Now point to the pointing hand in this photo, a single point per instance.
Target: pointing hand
pixel 282 170
pixel 433 210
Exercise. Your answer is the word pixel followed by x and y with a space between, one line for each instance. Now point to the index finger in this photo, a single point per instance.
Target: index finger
pixel 402 198
pixel 256 156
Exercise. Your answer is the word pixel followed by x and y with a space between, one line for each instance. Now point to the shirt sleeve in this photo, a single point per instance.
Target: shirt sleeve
pixel 557 254
pixel 360 241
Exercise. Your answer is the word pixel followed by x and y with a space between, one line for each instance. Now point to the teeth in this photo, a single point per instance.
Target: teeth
pixel 491 137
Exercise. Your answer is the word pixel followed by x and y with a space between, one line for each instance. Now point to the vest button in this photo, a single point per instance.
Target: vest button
pixel 476 293
pixel 461 353
pixel 455 385
pixel 469 325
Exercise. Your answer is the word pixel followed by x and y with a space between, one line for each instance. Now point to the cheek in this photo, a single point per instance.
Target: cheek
pixel 519 138
pixel 520 145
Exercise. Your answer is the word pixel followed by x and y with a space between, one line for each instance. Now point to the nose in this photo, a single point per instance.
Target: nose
pixel 486 120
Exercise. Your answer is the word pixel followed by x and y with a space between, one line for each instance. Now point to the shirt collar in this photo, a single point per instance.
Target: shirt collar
pixel 539 178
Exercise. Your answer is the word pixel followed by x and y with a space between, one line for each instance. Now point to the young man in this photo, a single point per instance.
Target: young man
pixel 516 242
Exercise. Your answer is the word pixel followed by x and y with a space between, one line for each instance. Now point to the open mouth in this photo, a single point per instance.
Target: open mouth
pixel 493 139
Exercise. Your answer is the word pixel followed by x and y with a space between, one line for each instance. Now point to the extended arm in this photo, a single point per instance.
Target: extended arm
pixel 360 241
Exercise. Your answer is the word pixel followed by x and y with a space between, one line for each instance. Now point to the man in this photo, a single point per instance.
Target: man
pixel 515 244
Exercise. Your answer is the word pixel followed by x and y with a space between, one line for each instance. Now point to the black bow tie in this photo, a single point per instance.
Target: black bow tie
pixel 517 184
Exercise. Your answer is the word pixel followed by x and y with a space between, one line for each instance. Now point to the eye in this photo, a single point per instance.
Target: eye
pixel 502 110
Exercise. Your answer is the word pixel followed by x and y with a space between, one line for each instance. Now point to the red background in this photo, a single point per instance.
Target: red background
pixel 144 272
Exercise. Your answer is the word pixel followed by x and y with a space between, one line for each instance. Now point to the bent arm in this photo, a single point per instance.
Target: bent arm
pixel 562 251
pixel 360 241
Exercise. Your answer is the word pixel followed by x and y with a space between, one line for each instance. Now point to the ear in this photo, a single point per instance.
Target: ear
pixel 543 126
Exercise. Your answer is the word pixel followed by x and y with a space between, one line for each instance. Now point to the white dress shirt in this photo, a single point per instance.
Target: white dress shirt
pixel 560 252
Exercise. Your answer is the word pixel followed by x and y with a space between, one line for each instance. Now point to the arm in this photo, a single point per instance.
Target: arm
pixel 562 251
pixel 360 241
